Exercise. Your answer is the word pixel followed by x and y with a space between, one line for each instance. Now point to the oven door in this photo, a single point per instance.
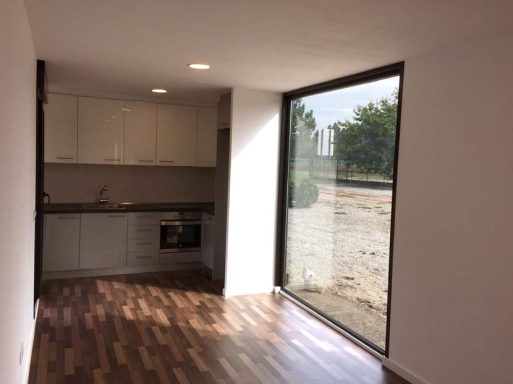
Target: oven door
pixel 180 236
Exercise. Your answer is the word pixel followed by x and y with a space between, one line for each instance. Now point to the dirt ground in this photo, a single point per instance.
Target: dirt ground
pixel 344 240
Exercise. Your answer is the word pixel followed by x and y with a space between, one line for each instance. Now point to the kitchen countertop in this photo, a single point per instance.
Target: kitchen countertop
pixel 128 207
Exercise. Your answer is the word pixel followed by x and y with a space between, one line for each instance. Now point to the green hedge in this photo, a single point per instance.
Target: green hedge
pixel 303 195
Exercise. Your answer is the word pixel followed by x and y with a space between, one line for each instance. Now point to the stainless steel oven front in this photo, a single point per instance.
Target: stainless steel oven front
pixel 180 232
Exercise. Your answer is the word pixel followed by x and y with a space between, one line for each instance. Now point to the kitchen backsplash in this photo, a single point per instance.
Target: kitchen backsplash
pixel 69 183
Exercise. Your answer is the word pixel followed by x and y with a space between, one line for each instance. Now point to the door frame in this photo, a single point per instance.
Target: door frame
pixel 396 69
pixel 41 85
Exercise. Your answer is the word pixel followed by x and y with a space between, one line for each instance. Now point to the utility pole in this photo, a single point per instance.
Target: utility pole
pixel 330 129
pixel 322 148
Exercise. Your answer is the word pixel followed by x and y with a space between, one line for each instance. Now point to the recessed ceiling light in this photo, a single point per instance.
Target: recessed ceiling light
pixel 159 90
pixel 199 66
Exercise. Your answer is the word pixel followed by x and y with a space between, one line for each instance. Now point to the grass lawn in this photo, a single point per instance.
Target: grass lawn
pixel 297 176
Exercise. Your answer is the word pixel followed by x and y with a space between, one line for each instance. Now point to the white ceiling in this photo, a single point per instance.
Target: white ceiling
pixel 130 46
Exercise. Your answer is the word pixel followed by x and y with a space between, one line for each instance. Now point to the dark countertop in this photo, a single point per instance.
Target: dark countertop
pixel 127 207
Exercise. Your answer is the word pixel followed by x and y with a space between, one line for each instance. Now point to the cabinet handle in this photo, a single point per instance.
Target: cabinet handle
pixel 111 159
pixel 116 216
pixel 144 257
pixel 65 158
pixel 143 243
pixel 167 161
pixel 146 161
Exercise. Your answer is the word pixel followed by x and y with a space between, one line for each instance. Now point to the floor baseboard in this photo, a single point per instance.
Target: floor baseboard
pixel 403 372
pixel 245 292
pixel 125 270
pixel 26 374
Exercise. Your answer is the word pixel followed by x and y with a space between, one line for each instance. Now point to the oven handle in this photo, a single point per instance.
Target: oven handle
pixel 184 222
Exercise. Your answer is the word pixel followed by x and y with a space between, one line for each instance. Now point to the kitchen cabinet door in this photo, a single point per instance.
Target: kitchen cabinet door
pixel 176 135
pixel 100 131
pixel 103 240
pixel 207 137
pixel 140 133
pixel 143 258
pixel 61 241
pixel 207 241
pixel 61 129
pixel 144 218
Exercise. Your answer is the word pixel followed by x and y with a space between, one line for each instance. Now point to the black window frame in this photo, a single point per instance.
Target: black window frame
pixel 392 70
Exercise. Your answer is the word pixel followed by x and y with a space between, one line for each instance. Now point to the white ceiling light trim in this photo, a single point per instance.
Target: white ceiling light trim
pixel 199 66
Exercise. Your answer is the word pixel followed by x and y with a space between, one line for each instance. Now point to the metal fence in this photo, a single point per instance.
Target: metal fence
pixel 331 169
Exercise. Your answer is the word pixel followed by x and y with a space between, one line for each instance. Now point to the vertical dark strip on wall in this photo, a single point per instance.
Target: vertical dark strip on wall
pixel 281 224
pixel 38 230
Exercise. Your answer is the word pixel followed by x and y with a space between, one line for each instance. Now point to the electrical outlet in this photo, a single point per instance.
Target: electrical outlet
pixel 21 353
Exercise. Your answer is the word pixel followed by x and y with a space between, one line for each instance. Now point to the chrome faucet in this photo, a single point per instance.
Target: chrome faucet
pixel 104 200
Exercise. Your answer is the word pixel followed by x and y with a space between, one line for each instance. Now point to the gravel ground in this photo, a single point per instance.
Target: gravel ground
pixel 344 240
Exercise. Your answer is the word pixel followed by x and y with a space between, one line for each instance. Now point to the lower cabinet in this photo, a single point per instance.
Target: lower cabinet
pixel 103 240
pixel 143 245
pixel 61 242
pixel 179 257
pixel 74 241
pixel 143 238
pixel 143 258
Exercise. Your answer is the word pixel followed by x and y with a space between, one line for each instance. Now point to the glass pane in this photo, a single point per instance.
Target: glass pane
pixel 341 162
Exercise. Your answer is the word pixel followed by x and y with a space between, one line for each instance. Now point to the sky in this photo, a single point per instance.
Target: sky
pixel 338 105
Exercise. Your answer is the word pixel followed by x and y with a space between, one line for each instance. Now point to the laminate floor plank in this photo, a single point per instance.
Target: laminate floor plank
pixel 176 327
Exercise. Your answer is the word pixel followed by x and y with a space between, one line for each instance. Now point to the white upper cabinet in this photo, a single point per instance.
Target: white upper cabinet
pixel 140 133
pixel 61 129
pixel 207 137
pixel 89 130
pixel 100 131
pixel 176 135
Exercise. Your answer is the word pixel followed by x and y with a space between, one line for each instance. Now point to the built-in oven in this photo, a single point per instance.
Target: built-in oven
pixel 180 232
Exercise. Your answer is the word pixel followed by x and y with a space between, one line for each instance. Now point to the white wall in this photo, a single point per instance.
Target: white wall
pixel 255 131
pixel 68 183
pixel 17 188
pixel 452 293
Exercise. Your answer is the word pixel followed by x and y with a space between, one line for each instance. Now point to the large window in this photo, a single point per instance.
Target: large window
pixel 339 165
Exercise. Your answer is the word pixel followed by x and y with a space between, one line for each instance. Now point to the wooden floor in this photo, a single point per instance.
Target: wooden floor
pixel 175 327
